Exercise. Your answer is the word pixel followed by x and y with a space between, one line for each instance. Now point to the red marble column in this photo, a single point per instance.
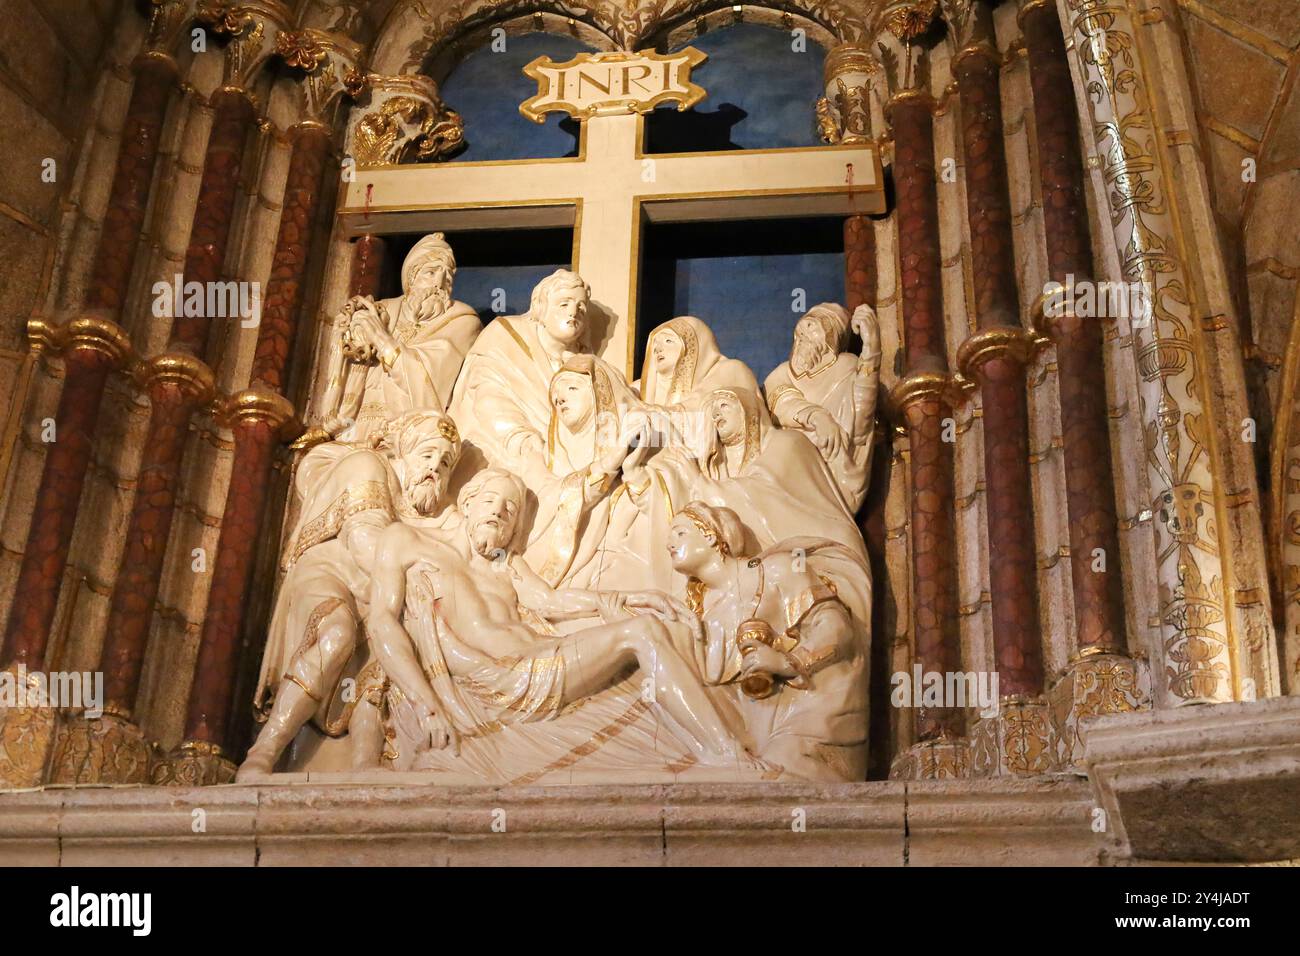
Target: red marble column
pixel 923 397
pixel 367 265
pixel 995 359
pixel 1081 370
pixel 258 414
pixel 94 345
pixel 178 383
pixel 859 262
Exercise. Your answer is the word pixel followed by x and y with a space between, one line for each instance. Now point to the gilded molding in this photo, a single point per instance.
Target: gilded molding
pixel 927 386
pixel 195 763
pixel 260 406
pixel 90 332
pixel 912 96
pixel 1011 342
pixel 182 370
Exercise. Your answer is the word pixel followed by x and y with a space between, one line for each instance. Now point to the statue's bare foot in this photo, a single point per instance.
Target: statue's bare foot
pixel 254 767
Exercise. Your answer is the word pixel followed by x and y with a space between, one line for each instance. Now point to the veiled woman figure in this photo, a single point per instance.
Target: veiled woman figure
pixel 772 478
pixel 584 454
pixel 683 364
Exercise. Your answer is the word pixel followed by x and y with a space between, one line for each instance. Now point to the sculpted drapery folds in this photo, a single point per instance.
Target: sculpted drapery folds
pixel 502 400
pixel 830 394
pixel 484 660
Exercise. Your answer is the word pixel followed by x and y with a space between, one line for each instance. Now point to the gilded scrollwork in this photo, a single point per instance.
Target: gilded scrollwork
pixel 406 122
pixel 420 28
pixel 1196 639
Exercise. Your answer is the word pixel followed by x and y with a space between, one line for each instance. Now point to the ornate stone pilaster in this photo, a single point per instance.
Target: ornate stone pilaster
pixel 93 345
pixel 1200 662
pixel 260 417
pixel 844 113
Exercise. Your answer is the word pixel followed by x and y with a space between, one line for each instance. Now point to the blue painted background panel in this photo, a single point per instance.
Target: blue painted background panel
pixel 761 94
pixel 486 88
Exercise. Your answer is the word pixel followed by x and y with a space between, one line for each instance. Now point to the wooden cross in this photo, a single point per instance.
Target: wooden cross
pixel 607 193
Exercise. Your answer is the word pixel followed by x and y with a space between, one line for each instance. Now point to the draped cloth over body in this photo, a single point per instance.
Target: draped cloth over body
pixel 568 529
pixel 835 388
pixel 779 486
pixel 507 713
pixel 502 401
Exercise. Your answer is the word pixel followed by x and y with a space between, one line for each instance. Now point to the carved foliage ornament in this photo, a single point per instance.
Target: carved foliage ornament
pixel 223 19
pixel 300 50
pixel 406 128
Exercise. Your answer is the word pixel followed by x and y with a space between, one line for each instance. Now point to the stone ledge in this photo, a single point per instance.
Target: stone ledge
pixel 1213 783
pixel 1010 822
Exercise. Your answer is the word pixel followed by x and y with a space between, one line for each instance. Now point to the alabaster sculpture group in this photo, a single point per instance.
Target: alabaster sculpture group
pixel 508 565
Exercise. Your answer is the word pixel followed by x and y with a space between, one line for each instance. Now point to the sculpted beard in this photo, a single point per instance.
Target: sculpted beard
pixel 428 303
pixel 488 535
pixel 806 353
pixel 423 488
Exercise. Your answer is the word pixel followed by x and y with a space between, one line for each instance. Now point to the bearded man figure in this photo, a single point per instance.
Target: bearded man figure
pixel 830 394
pixel 394 355
pixel 446 620
pixel 503 396
pixel 313 639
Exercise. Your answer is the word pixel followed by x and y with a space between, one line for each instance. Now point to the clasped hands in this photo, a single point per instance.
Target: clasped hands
pixel 366 338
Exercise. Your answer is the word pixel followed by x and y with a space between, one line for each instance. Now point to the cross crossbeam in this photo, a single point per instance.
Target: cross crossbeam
pixel 607 193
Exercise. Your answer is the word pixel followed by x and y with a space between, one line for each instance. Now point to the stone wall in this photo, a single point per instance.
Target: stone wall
pixel 50 56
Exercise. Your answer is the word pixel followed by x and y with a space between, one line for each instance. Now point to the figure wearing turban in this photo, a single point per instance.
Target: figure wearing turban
pixel 830 394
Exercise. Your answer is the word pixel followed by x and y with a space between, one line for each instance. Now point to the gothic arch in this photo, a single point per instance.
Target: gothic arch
pixel 415 31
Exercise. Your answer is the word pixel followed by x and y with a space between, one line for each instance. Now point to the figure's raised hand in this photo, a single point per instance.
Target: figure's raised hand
pixel 867 326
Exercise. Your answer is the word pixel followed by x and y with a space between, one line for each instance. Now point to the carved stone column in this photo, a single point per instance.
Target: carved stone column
pixel 995 358
pixel 1101 677
pixel 260 417
pixel 844 113
pixel 925 397
pixel 93 345
pixel 112 749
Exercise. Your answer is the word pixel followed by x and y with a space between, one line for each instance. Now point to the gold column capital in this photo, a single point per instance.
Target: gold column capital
pixel 97 333
pixel 928 386
pixel 182 370
pixel 260 405
pixel 1011 342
